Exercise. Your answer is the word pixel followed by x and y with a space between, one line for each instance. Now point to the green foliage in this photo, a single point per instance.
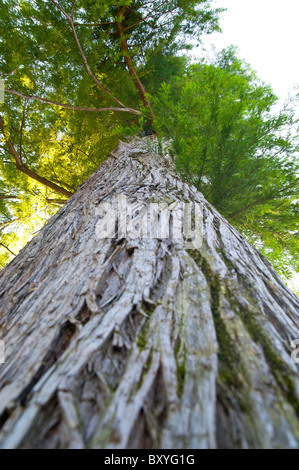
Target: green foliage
pixel 39 56
pixel 240 154
pixel 227 139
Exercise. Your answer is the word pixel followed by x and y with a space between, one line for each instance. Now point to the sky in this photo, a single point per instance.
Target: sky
pixel 267 35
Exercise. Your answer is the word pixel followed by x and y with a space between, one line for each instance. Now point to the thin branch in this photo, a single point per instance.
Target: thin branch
pixel 205 153
pixel 256 203
pixel 251 145
pixel 291 186
pixel 239 185
pixel 270 197
pixel 87 155
pixel 132 71
pixel 70 106
pixel 92 25
pixel 21 128
pixel 24 169
pixel 135 45
pixel 8 249
pixel 57 4
pixel 73 9
pixel 5 215
pixel 151 15
pixel 8 196
pixel 88 70
pixel 56 201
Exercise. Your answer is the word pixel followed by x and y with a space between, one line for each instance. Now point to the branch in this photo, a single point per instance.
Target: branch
pixel 256 203
pixel 239 185
pixel 92 25
pixel 132 71
pixel 21 128
pixel 73 9
pixel 150 15
pixel 24 169
pixel 88 70
pixel 6 247
pixel 251 145
pixel 9 196
pixel 6 216
pixel 56 201
pixel 205 152
pixel 6 224
pixel 70 106
pixel 270 197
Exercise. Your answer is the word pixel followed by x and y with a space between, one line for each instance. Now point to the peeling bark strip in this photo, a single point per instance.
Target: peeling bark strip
pixel 140 343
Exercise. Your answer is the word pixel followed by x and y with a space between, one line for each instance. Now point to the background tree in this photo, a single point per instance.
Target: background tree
pixel 239 152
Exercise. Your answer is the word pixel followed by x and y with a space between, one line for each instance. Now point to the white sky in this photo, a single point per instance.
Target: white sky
pixel 267 35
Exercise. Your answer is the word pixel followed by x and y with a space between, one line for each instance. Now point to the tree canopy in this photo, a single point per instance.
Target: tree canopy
pixel 237 150
pixel 73 73
pixel 79 75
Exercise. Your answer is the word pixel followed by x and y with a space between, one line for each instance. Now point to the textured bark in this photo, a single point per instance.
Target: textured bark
pixel 141 343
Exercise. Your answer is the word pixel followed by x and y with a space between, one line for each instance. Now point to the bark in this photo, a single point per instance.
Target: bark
pixel 120 343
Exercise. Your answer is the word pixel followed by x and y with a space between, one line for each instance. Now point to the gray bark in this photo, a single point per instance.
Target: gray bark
pixel 120 343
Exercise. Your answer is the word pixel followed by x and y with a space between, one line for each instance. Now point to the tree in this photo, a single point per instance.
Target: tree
pixel 241 155
pixel 117 342
pixel 140 343
pixel 69 96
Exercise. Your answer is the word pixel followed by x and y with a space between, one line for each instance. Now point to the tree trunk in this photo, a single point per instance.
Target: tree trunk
pixel 141 343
